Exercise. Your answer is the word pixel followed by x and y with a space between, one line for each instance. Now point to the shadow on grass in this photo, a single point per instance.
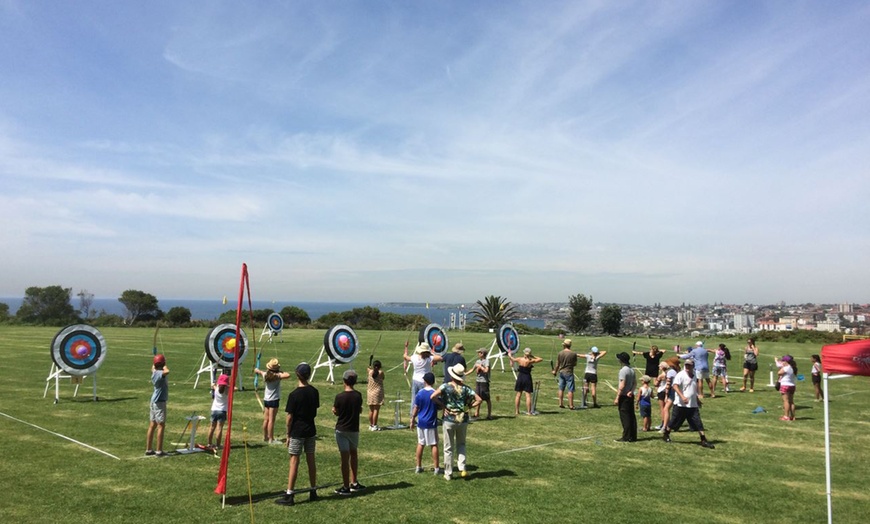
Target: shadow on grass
pixel 301 497
pixel 475 475
pixel 99 399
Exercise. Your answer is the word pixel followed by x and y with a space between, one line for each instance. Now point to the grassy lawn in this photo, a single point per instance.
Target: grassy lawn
pixel 560 465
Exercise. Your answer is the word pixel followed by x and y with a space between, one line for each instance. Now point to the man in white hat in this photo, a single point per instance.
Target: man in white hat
pixel 422 361
pixel 457 398
pixel 686 404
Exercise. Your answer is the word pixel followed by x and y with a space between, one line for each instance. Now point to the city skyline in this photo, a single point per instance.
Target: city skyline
pixel 634 152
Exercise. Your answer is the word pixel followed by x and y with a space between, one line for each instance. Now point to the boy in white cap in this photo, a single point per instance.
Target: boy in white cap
pixel 457 398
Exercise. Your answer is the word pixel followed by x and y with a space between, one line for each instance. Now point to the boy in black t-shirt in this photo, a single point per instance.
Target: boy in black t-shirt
pixel 348 407
pixel 302 404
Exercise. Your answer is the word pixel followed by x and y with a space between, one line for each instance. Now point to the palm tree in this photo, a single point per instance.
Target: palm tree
pixel 494 311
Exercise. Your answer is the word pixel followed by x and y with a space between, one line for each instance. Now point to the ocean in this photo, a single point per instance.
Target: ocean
pixel 212 309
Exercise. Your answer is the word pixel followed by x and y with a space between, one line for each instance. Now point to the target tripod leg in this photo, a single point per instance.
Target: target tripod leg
pixel 583 405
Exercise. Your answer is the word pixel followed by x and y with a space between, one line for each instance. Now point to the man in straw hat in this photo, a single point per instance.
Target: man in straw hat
pixel 457 398
pixel 454 357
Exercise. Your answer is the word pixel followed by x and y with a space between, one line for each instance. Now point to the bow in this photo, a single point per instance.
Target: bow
pixel 154 344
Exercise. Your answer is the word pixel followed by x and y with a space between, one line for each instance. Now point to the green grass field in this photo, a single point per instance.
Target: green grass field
pixel 556 467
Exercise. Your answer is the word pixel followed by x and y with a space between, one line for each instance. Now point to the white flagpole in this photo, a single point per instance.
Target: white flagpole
pixel 827 448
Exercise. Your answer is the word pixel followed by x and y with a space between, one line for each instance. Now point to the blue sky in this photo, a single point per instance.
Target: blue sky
pixel 437 151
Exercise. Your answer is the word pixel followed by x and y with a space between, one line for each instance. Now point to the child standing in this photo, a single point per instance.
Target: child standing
pixel 302 404
pixel 720 368
pixel 271 397
pixel 817 376
pixel 159 397
pixel 424 414
pixel 375 394
pixel 348 407
pixel 218 411
pixel 786 373
pixel 481 366
pixel 644 402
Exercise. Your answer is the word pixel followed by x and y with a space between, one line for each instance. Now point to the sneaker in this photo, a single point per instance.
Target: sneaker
pixel 343 491
pixel 439 471
pixel 784 418
pixel 356 486
pixel 658 427
pixel 149 452
pixel 286 500
pixel 418 470
pixel 743 389
pixel 705 444
pixel 160 453
pixel 376 428
pixel 447 476
pixel 751 390
pixel 463 473
pixel 666 437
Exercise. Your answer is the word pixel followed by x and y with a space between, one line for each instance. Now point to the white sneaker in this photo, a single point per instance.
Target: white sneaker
pixel 447 476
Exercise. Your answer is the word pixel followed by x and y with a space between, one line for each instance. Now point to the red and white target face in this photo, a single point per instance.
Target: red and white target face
pixel 221 345
pixel 78 349
pixel 343 342
pixel 435 336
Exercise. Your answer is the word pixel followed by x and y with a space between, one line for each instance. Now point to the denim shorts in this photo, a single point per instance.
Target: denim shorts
pixel 218 416
pixel 566 382
pixel 347 440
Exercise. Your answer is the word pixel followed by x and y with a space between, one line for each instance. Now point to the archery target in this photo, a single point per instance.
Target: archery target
pixel 220 345
pixel 435 336
pixel 341 343
pixel 508 339
pixel 79 349
pixel 276 322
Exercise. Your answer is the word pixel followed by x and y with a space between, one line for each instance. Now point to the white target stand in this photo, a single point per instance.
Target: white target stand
pixel 535 392
pixel 397 417
pixel 495 353
pixel 56 374
pixel 324 361
pixel 193 421
pixel 268 331
pixel 207 366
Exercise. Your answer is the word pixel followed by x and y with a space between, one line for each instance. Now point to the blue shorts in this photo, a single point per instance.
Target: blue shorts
pixel 271 404
pixel 566 382
pixel 218 416
pixel 645 411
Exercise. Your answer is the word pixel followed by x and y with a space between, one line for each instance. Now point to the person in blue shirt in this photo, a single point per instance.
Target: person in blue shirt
pixel 702 366
pixel 159 397
pixel 424 416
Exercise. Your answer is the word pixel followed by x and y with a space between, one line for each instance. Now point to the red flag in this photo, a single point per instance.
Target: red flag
pixel 851 358
pixel 244 285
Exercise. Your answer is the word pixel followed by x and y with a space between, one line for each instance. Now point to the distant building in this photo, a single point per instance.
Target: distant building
pixel 844 308
pixel 744 323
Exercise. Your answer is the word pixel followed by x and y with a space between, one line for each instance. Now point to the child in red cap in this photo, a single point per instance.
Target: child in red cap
pixel 159 370
pixel 219 410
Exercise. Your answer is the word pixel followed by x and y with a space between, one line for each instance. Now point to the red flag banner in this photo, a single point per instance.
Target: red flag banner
pixel 851 358
pixel 244 285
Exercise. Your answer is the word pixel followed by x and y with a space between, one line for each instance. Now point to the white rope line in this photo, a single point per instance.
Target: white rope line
pixel 580 439
pixel 61 436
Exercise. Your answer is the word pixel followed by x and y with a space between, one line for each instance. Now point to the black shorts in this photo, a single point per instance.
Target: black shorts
pixel 817 379
pixel 591 378
pixel 271 403
pixel 661 395
pixel 751 366
pixel 483 390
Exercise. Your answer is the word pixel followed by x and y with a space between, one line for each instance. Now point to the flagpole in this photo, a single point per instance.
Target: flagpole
pixel 827 448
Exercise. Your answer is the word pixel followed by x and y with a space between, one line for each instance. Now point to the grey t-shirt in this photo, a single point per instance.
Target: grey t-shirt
pixel 627 374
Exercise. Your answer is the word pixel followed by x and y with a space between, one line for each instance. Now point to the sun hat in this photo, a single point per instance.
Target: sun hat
pixel 481 351
pixel 624 358
pixel 458 347
pixel 699 343
pixel 566 342
pixel 304 370
pixel 527 351
pixel 457 372
pixel 422 347
pixel 645 379
pixel 159 359
pixel 223 380
pixel 594 349
pixel 273 365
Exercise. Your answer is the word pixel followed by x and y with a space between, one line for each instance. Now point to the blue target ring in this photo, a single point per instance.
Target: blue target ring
pixel 435 336
pixel 341 343
pixel 276 323
pixel 221 344
pixel 508 339
pixel 78 349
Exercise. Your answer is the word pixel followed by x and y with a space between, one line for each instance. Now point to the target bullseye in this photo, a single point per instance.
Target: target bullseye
pixel 341 343
pixel 435 336
pixel 78 349
pixel 220 345
pixel 276 323
pixel 508 339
